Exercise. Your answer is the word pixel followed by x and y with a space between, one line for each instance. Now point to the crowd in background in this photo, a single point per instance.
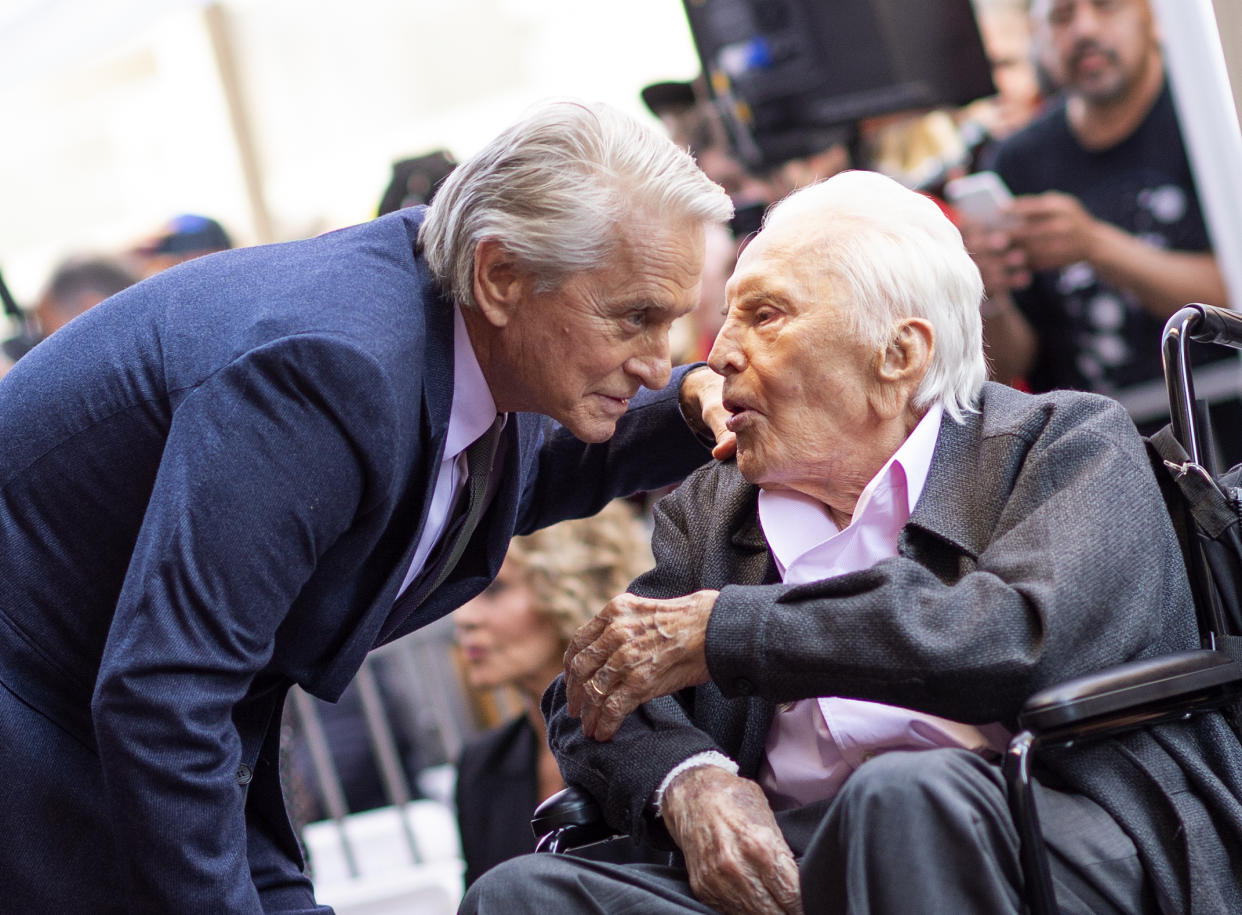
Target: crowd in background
pixel 83 280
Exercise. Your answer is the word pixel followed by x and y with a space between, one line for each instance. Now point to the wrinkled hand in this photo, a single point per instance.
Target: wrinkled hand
pixel 1001 262
pixel 1053 229
pixel 636 649
pixel 737 859
pixel 702 397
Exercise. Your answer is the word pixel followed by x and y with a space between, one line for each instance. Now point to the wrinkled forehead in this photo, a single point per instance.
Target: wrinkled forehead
pixel 786 257
pixel 788 232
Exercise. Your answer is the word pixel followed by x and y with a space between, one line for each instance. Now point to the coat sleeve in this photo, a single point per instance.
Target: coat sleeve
pixel 653 447
pixel 266 463
pixel 1080 571
pixel 623 774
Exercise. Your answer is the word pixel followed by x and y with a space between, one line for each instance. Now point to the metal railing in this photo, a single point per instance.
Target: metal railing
pixel 409 708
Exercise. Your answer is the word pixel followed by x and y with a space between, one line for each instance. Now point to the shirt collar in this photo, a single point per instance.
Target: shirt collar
pixel 915 454
pixel 474 409
pixel 794 523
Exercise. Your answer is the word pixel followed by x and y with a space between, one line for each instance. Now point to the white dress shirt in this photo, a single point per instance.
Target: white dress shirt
pixel 472 413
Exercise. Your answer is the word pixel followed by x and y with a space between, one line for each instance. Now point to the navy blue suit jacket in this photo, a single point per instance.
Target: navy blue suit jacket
pixel 210 488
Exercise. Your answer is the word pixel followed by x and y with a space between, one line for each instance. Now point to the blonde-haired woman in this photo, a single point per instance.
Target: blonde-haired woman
pixel 514 634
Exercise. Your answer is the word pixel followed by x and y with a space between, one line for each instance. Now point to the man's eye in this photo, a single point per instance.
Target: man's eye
pixel 764 315
pixel 636 319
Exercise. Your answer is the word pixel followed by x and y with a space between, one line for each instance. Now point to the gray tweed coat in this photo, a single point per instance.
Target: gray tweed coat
pixel 1040 550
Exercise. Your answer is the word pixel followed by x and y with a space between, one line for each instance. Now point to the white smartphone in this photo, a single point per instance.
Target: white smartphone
pixel 981 197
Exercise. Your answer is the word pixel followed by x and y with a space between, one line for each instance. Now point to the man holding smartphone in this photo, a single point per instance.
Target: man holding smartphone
pixel 1104 239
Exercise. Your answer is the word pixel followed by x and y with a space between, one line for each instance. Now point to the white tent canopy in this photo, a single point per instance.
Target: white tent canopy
pixel 117 116
pixel 280 118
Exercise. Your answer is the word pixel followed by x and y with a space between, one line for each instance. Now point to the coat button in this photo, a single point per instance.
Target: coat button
pixel 244 774
pixel 743 686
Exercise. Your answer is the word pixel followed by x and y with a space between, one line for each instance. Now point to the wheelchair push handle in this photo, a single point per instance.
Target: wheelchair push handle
pixel 1205 324
pixel 1216 325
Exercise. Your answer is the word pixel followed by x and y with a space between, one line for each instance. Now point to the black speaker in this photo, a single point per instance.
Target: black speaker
pixel 785 73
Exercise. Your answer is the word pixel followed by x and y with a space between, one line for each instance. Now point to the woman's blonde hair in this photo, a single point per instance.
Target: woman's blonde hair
pixel 575 567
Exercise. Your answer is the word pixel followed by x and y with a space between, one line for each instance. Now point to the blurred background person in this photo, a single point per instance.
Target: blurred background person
pixel 77 284
pixel 1105 238
pixel 920 149
pixel 692 122
pixel 924 149
pixel 513 636
pixel 1020 84
pixel 182 238
pixel 415 180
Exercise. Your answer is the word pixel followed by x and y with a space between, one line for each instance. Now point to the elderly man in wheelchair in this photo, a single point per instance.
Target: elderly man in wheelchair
pixel 808 698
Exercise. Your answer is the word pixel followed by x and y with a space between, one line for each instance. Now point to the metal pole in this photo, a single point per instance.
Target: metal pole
pixel 385 748
pixel 215 18
pixel 330 789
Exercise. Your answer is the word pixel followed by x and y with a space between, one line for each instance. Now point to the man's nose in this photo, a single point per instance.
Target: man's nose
pixel 466 617
pixel 726 356
pixel 652 365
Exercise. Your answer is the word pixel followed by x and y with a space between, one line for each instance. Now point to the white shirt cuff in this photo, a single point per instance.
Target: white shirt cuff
pixel 706 758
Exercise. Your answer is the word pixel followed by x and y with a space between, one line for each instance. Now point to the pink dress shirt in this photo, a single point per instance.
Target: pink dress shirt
pixel 815 744
pixel 472 413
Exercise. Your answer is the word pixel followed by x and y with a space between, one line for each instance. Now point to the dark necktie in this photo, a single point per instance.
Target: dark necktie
pixel 479 458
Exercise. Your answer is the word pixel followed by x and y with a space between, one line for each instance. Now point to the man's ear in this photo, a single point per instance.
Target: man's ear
pixel 901 365
pixel 908 353
pixel 500 285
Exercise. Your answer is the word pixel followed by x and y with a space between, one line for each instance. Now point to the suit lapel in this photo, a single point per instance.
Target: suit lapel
pixel 410 518
pixel 750 562
pixel 747 560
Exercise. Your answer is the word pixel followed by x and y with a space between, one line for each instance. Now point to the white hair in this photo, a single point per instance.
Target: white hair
pixel 556 188
pixel 895 254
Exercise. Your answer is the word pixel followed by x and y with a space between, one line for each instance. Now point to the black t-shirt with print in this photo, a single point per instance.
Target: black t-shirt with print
pixel 1094 336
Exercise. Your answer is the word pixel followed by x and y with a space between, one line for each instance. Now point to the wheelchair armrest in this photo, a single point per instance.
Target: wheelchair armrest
pixel 569 819
pixel 1135 692
pixel 1121 698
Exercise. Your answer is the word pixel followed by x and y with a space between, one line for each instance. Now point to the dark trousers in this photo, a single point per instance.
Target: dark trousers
pixel 910 832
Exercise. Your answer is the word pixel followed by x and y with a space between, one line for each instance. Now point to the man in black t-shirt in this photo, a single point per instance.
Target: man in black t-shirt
pixel 1105 239
pixel 1096 334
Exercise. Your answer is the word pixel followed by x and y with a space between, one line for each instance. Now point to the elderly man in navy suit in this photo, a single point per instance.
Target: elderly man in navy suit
pixel 250 470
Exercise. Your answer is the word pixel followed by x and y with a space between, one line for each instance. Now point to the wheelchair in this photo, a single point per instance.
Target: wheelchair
pixel 1207 512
